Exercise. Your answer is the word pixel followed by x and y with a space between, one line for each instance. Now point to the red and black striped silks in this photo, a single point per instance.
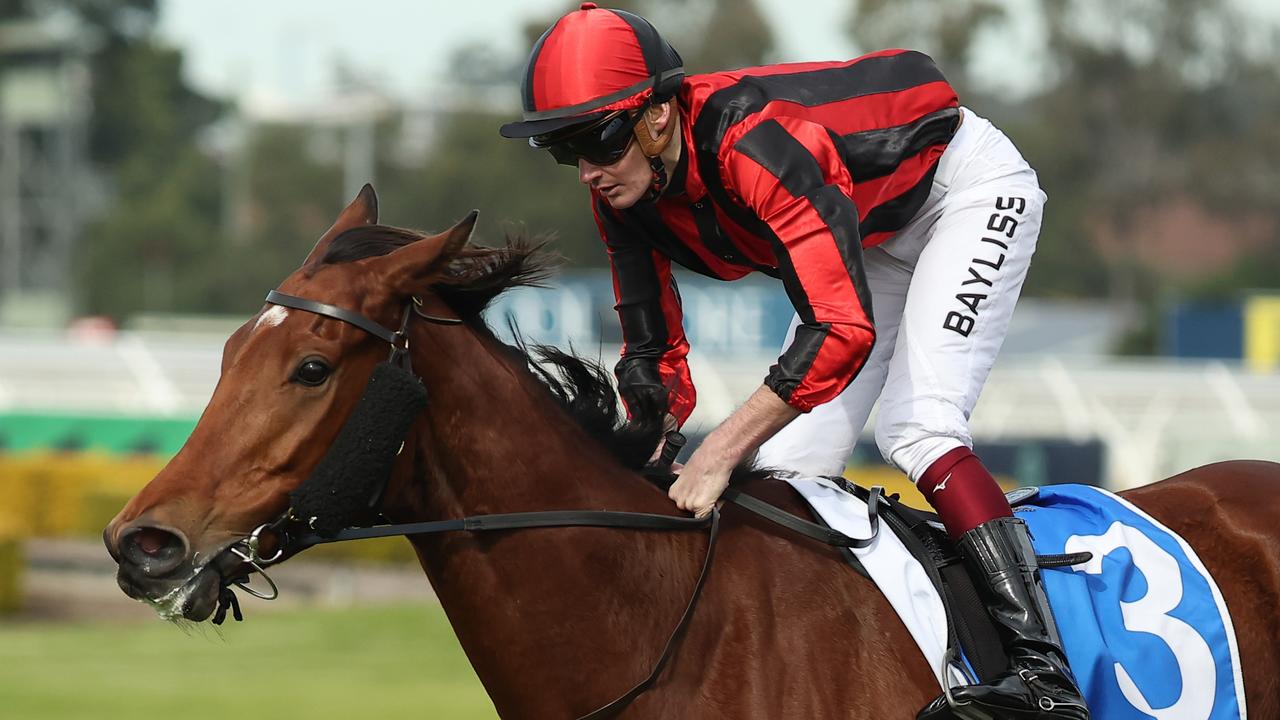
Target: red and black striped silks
pixel 790 170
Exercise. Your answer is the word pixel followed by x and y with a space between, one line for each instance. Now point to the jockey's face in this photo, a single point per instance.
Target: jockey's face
pixel 624 182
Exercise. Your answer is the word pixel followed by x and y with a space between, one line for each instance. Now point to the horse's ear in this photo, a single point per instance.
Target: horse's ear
pixel 362 211
pixel 411 268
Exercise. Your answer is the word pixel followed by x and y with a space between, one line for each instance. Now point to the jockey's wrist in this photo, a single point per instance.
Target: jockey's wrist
pixel 719 448
pixel 762 416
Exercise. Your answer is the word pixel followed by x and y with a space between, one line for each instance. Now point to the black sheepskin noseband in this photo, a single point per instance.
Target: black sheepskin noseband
pixel 347 485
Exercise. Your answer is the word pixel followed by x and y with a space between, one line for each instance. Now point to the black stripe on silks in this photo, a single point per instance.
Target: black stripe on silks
pixel 876 153
pixel 719 242
pixel 795 361
pixel 841 216
pixel 639 302
pixel 663 239
pixel 787 374
pixel 896 213
pixel 791 280
pixel 780 153
pixel 526 88
pixel 729 106
pixel 744 216
pixel 798 357
pixel 890 73
pixel 795 177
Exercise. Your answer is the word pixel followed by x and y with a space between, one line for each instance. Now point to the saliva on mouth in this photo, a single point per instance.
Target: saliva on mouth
pixel 193 600
pixel 172 605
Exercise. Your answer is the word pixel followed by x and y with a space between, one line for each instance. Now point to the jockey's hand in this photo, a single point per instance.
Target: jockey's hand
pixel 705 477
pixel 702 480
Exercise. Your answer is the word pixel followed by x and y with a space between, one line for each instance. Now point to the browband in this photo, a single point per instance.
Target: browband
pixel 292 301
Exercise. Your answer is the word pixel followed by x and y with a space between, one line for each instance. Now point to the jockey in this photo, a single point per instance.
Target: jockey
pixel 857 184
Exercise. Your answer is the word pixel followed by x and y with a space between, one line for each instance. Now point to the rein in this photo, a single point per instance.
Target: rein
pixel 294 534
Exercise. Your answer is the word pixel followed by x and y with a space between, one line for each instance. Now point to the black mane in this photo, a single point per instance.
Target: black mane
pixel 471 279
pixel 477 275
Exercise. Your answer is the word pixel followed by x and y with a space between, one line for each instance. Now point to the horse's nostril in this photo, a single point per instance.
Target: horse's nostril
pixel 152 540
pixel 154 550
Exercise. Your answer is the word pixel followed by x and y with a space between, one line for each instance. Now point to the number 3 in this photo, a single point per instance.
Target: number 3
pixel 1150 614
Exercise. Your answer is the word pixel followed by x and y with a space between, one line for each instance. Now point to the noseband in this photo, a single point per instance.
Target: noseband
pixel 294 532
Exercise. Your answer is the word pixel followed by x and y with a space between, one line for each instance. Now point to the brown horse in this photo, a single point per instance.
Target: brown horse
pixel 557 622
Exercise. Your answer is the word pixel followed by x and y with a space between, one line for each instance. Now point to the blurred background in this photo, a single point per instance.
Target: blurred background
pixel 163 163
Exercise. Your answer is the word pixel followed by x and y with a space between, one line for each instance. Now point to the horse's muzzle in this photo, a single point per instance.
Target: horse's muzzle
pixel 156 567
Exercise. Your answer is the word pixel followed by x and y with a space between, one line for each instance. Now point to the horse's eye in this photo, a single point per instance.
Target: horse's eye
pixel 311 372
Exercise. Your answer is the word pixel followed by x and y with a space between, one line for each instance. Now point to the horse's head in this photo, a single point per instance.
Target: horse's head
pixel 289 381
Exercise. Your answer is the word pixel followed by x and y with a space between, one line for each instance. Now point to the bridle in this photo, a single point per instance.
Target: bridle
pixel 294 534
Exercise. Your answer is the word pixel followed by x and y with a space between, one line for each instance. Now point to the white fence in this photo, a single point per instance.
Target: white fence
pixel 1156 417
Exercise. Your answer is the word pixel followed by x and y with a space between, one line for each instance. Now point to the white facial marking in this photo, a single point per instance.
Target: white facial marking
pixel 271 317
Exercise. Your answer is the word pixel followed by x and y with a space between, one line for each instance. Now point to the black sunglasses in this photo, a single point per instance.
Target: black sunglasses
pixel 602 142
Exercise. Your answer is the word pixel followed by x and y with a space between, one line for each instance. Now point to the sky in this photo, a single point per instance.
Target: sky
pixel 284 52
pixel 288 48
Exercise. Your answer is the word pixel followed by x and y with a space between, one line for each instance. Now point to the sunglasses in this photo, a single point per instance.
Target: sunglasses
pixel 602 142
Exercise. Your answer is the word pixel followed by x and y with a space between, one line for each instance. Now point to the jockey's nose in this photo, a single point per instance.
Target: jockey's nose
pixel 153 550
pixel 587 172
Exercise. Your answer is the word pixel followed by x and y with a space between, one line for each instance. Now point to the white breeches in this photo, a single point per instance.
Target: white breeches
pixel 943 290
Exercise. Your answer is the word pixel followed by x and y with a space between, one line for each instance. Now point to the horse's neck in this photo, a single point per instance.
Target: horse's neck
pixel 498 442
pixel 531 606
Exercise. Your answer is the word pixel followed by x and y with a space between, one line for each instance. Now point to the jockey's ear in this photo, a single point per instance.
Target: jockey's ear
pixel 411 268
pixel 362 211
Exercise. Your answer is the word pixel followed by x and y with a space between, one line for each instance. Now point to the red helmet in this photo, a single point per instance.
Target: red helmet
pixel 593 61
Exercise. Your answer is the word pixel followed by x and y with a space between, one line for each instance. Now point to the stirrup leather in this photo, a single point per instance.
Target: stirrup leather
pixel 1038 684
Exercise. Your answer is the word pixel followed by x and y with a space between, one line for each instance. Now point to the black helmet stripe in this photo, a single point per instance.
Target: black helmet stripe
pixel 526 87
pixel 659 57
pixel 647 37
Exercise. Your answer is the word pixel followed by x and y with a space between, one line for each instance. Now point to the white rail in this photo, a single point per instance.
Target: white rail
pixel 1156 416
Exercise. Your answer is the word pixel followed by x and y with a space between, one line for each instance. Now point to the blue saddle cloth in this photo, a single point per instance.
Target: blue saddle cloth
pixel 1143 623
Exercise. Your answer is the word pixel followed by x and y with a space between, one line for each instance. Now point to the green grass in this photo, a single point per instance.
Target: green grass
pixel 386 662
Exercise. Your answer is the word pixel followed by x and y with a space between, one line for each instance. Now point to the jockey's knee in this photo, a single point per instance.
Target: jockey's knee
pixel 913 444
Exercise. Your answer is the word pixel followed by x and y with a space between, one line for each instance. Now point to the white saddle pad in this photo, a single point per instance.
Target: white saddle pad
pixel 899 575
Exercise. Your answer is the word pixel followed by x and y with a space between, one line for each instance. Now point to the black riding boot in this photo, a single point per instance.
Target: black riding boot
pixel 1037 684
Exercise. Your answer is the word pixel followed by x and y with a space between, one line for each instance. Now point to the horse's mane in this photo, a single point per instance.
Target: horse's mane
pixel 477 275
pixel 470 280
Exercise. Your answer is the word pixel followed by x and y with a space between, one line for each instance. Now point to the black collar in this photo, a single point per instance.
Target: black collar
pixel 675 186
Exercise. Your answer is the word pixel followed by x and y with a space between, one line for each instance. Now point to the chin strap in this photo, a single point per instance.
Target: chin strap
pixel 660 179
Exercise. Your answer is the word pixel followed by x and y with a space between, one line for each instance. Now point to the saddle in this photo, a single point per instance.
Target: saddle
pixel 971 633
pixel 972 637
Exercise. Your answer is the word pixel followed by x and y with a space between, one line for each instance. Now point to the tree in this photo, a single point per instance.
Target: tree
pixel 146 251
pixel 946 31
pixel 1148 112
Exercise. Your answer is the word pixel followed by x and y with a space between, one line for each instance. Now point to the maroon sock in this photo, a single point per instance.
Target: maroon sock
pixel 965 495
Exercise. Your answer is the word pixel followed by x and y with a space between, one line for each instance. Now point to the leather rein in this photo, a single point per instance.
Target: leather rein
pixel 293 534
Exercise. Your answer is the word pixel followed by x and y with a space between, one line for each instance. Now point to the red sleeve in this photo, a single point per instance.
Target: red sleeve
pixel 654 350
pixel 788 172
